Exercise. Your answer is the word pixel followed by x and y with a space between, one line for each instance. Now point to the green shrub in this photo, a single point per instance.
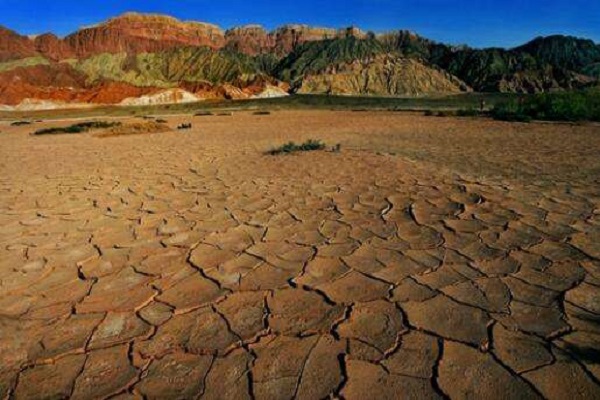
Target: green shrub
pixel 77 128
pixel 567 106
pixel 291 147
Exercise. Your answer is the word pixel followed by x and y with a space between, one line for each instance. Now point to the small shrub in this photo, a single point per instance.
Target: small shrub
pixel 225 114
pixel 444 114
pixel 77 128
pixel 291 147
pixel 184 126
pixel 161 121
pixel 204 114
pixel 20 123
pixel 428 113
pixel 262 113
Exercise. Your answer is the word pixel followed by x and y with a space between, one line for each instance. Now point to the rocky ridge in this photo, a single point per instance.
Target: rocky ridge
pixel 136 55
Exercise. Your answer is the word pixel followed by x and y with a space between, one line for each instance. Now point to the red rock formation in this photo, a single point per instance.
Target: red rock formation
pixel 135 33
pixel 53 75
pixel 289 36
pixel 14 46
pixel 13 93
pixel 52 47
pixel 254 39
pixel 250 39
pixel 113 93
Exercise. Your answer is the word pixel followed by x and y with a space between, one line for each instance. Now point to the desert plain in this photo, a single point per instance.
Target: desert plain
pixel 428 258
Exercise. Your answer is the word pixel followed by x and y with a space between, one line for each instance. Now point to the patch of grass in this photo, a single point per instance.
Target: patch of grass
pixel 20 123
pixel 291 147
pixel 573 106
pixel 77 128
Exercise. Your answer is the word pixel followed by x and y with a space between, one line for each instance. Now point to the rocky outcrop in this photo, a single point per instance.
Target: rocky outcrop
pixel 146 33
pixel 289 36
pixel 137 55
pixel 14 46
pixel 171 96
pixel 51 75
pixel 382 76
pixel 52 47
pixel 254 39
pixel 250 39
pixel 137 33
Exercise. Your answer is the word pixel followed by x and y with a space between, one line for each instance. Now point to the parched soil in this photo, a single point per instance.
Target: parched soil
pixel 429 258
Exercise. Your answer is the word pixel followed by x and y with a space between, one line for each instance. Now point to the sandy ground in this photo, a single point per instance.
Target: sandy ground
pixel 430 258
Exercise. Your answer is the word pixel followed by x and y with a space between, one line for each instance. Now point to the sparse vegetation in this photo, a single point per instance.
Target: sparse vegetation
pixel 20 123
pixel 161 121
pixel 568 106
pixel 262 112
pixel 77 128
pixel 184 126
pixel 204 114
pixel 291 147
pixel 136 128
pixel 468 112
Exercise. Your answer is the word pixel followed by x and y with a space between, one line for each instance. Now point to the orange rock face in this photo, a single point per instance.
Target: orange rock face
pixel 134 33
pixel 251 39
pixel 53 47
pixel 14 46
pixel 137 33
pixel 60 82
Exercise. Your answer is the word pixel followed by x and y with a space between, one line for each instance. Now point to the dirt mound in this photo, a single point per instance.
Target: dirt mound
pixel 134 128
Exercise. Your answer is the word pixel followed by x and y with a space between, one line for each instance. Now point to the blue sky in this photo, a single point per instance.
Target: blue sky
pixel 477 23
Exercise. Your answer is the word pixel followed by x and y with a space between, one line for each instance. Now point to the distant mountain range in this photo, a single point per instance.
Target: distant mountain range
pixel 146 59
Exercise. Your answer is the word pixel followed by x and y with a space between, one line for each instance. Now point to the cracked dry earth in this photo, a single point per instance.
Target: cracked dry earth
pixel 431 258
